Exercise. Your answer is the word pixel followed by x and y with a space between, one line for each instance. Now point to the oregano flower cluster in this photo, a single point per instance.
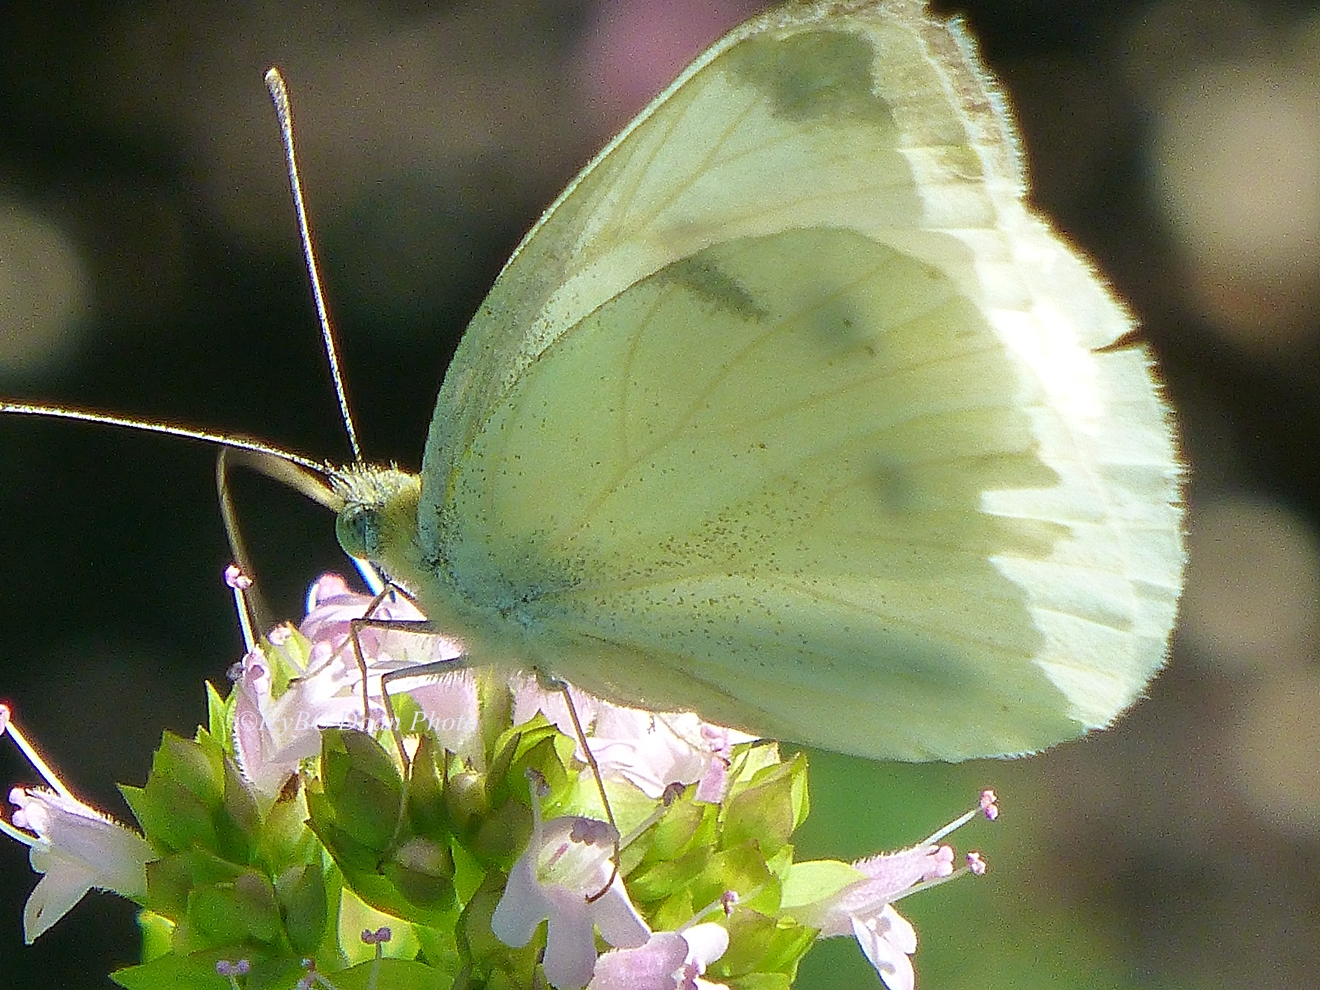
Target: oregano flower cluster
pixel 456 829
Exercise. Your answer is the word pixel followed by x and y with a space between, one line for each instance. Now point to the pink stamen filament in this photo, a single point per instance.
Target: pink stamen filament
pixel 239 583
pixel 985 806
pixel 962 871
pixel 33 757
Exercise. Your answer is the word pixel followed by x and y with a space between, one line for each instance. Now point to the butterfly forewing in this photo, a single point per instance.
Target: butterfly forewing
pixel 787 413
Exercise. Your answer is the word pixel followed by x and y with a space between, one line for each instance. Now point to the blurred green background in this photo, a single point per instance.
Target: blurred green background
pixel 148 264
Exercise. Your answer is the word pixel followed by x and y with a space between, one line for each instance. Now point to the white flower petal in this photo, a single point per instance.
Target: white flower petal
pixel 887 940
pixel 522 907
pixel 448 710
pixel 706 943
pixel 554 879
pixel 899 930
pixel 55 895
pixel 618 920
pixel 570 942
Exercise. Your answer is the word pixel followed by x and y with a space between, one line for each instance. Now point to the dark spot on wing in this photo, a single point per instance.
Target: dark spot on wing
pixel 893 486
pixel 820 74
pixel 841 327
pixel 711 283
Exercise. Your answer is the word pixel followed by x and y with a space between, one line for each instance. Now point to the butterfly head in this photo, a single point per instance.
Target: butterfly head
pixel 378 520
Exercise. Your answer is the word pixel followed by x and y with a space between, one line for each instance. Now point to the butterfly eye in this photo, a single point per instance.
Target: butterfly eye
pixel 358 531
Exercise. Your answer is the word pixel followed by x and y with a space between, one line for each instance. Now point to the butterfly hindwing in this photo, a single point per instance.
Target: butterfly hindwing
pixel 781 448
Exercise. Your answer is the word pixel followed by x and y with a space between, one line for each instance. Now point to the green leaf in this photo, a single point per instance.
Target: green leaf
pixel 300 892
pixel 169 881
pixel 194 765
pixel 237 821
pixel 355 916
pixel 537 745
pixel 468 873
pixel 748 760
pixel 171 973
pixel 662 879
pixel 466 802
pixel 759 944
pixel 222 914
pixel 426 791
pixel 286 661
pixel 767 811
pixel 502 835
pixel 742 869
pixel 284 840
pixel 814 881
pixel 363 787
pixel 157 933
pixel 761 981
pixel 392 974
pixel 178 806
pixel 171 816
pixel 686 823
pixel 352 856
pixel 219 718
pixel 440 949
pixel 491 958
pixel 423 872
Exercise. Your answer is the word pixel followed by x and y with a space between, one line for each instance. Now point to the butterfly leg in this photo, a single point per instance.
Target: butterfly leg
pixel 420 627
pixel 550 683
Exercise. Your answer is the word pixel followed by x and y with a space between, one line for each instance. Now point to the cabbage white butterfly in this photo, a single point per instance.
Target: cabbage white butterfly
pixel 790 413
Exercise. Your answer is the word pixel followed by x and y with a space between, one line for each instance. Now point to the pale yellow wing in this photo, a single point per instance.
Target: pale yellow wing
pixel 788 413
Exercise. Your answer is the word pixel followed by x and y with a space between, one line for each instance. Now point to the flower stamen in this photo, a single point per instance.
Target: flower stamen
pixel 239 583
pixel 7 727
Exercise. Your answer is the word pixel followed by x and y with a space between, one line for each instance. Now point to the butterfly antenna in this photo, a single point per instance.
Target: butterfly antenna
pixel 300 473
pixel 265 452
pixel 279 95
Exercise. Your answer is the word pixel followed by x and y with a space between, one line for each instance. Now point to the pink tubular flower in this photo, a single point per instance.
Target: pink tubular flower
pixel 557 878
pixel 652 750
pixel 864 908
pixel 887 876
pixel 74 847
pixel 282 702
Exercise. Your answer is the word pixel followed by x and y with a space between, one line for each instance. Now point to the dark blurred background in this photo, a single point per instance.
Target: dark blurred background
pixel 149 265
